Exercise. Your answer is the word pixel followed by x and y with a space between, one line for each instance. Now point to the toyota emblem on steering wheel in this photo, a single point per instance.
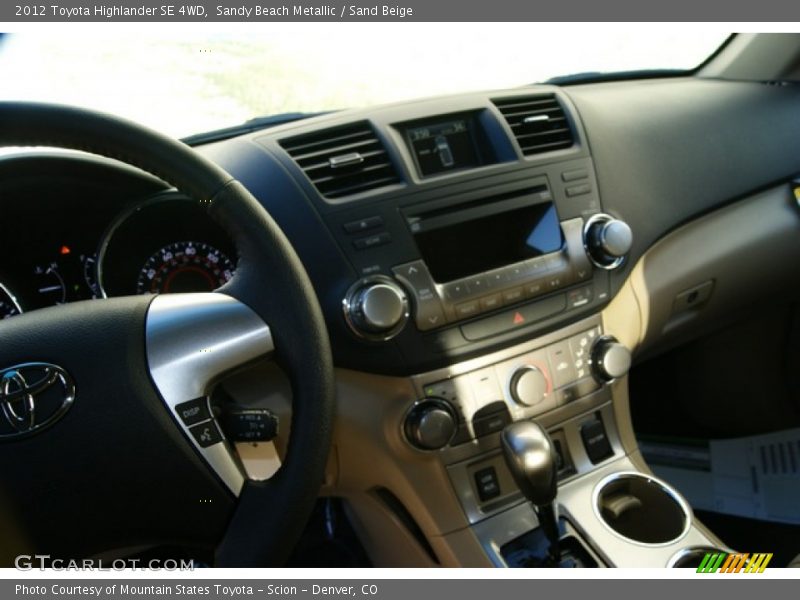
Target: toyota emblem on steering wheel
pixel 33 396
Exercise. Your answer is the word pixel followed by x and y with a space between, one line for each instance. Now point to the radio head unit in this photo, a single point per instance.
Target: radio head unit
pixel 483 255
pixel 479 237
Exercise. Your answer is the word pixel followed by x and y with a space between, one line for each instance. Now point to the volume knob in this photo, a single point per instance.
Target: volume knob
pixel 608 240
pixel 376 308
pixel 430 424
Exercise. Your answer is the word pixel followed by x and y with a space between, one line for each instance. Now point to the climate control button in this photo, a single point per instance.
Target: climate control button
pixel 529 385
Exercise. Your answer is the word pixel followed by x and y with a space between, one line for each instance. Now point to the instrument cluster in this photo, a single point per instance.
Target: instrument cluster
pixel 57 250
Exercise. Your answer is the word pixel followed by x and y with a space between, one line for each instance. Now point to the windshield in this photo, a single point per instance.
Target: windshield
pixel 185 81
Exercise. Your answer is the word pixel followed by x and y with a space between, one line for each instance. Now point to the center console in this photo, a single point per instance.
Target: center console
pixel 480 262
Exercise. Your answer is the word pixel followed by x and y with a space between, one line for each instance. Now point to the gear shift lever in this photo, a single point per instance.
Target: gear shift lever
pixel 530 457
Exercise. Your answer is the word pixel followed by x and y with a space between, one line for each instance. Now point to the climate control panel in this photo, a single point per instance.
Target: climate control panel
pixel 469 406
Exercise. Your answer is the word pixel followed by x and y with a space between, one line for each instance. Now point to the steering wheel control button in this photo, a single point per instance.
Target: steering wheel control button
pixel 206 434
pixel 376 308
pixel 607 240
pixel 610 359
pixel 430 424
pixel 193 411
pixel 250 424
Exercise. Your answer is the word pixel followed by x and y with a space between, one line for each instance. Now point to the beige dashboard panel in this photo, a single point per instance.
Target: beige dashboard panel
pixel 701 273
pixel 372 453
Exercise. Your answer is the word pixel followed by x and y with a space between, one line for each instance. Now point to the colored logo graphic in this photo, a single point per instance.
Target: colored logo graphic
pixel 720 562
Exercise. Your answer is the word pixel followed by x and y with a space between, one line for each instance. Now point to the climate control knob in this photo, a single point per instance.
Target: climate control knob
pixel 430 424
pixel 608 240
pixel 529 385
pixel 376 308
pixel 610 359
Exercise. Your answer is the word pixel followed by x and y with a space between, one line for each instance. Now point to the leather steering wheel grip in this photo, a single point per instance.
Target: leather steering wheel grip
pixel 270 278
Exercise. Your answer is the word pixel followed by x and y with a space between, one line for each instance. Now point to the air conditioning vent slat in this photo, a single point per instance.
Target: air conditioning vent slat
pixel 366 164
pixel 366 155
pixel 538 122
pixel 550 110
pixel 333 151
pixel 557 132
pixel 521 125
pixel 326 178
pixel 313 142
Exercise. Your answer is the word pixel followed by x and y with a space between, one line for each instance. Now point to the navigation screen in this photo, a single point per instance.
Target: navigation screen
pixel 445 146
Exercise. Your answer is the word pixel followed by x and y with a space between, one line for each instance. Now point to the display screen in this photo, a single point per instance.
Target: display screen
pixel 467 242
pixel 445 146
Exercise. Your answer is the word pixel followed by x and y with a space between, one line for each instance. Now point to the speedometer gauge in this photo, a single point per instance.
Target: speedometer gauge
pixel 8 303
pixel 184 267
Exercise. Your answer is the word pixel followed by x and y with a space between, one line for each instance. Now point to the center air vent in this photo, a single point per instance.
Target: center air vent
pixel 343 161
pixel 538 122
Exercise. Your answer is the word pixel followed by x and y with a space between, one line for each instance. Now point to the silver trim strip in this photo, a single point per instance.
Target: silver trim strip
pixel 691 550
pixel 192 340
pixel 11 297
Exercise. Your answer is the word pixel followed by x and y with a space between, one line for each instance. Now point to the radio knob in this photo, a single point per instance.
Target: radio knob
pixel 529 386
pixel 610 359
pixel 608 240
pixel 376 308
pixel 430 424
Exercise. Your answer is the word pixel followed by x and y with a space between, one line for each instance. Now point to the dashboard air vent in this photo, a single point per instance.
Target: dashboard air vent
pixel 343 161
pixel 538 122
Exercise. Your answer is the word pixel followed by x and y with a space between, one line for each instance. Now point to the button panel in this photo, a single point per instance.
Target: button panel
pixel 483 399
pixel 513 285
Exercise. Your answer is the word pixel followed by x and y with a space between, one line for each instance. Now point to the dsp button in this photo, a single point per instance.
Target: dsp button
pixel 193 411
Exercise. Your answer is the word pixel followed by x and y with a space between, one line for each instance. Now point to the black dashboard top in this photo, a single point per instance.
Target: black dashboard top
pixel 350 188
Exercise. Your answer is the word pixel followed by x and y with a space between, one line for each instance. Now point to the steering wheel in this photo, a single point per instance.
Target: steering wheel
pixel 101 447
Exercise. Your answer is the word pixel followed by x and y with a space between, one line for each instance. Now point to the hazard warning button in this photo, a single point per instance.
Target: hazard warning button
pixel 515 318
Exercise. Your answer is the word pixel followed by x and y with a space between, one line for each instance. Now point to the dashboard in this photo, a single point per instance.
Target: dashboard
pixel 480 259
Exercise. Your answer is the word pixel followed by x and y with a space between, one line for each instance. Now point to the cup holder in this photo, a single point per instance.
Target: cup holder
pixel 642 508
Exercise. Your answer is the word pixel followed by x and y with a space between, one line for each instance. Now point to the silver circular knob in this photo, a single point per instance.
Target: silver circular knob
pixel 376 308
pixel 529 386
pixel 608 240
pixel 430 424
pixel 610 359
